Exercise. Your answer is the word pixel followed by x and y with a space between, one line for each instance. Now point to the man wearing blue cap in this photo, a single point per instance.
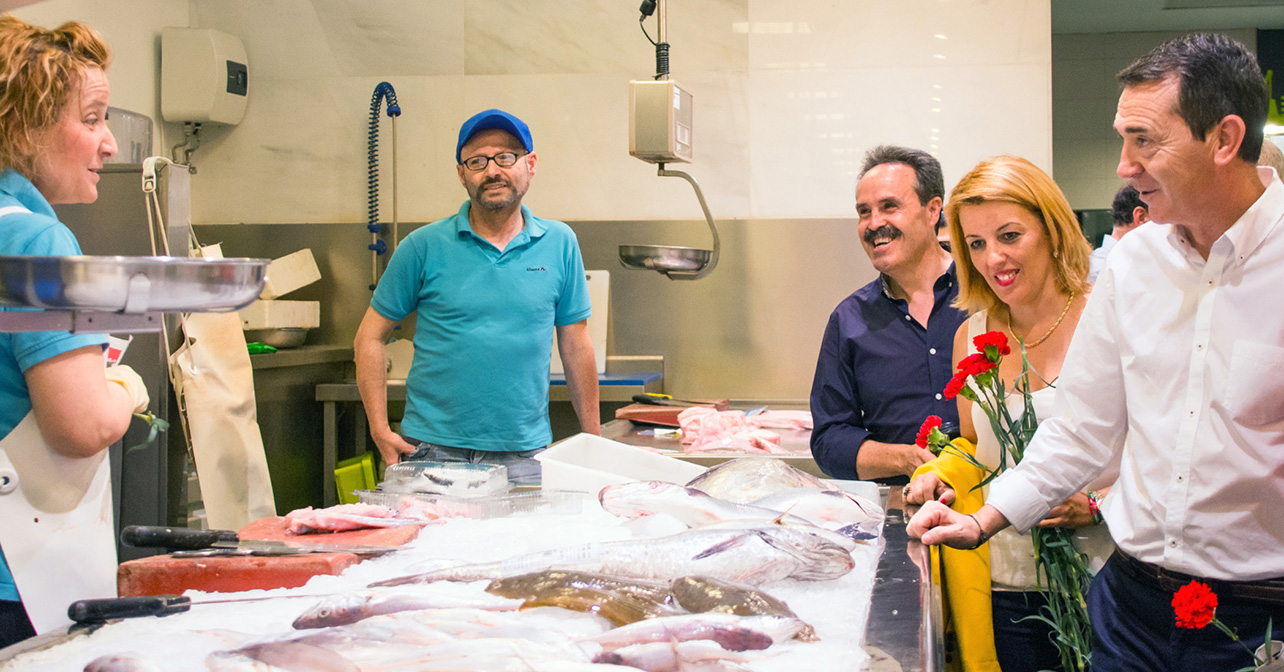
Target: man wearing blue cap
pixel 489 284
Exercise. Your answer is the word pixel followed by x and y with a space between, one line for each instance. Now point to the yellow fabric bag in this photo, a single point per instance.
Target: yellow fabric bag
pixel 964 575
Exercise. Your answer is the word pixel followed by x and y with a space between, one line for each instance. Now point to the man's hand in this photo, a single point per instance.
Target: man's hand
pixel 392 446
pixel 882 460
pixel 936 523
pixel 928 488
pixel 1072 513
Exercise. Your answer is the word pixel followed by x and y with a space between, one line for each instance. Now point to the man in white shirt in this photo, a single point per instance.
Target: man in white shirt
pixel 1180 351
pixel 1129 212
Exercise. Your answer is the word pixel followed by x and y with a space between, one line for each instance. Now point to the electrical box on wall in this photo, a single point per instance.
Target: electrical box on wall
pixel 659 122
pixel 204 76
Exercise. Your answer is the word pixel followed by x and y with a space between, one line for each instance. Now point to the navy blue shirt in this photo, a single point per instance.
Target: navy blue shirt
pixel 880 373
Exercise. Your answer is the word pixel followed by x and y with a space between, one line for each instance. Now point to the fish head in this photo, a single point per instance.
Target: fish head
pixel 637 498
pixel 338 610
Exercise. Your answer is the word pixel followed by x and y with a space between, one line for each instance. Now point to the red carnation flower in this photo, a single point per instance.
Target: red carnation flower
pixel 975 365
pixel 1195 604
pixel 997 339
pixel 955 385
pixel 924 431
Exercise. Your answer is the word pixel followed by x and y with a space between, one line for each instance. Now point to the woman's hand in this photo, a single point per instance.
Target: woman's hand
pixel 1073 513
pixel 925 488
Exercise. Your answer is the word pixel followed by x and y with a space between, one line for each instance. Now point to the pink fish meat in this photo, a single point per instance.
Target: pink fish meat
pixel 705 429
pixel 342 518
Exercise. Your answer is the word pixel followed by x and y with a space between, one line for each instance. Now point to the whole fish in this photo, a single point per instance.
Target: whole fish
pixel 353 607
pixel 703 594
pixel 619 601
pixel 754 556
pixel 731 632
pixel 847 513
pixel 673 656
pixel 289 656
pixel 746 479
pixel 689 505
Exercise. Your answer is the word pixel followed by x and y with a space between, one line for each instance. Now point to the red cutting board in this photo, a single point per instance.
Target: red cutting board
pixel 167 575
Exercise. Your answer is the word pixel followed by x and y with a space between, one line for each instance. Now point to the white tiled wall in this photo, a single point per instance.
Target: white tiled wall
pixel 1084 95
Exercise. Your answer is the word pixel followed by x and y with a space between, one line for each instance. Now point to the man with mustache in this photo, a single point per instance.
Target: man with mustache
pixel 490 284
pixel 885 357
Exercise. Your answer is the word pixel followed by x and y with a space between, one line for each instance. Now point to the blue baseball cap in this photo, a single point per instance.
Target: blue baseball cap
pixel 493 119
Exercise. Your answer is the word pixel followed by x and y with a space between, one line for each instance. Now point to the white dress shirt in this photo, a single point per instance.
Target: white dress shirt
pixel 1185 359
pixel 1097 260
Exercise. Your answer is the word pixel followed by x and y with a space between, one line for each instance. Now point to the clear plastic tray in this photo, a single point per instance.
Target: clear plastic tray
pixel 542 501
pixel 459 479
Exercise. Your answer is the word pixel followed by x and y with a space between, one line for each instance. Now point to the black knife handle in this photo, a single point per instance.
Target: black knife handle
pixel 93 611
pixel 174 538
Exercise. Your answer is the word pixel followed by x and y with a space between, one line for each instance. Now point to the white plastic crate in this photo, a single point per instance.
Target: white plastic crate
pixel 589 463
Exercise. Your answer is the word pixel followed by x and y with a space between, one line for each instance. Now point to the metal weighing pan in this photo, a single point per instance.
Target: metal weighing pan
pixel 664 257
pixel 131 284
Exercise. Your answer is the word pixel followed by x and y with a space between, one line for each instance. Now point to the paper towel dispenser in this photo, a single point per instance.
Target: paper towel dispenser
pixel 204 76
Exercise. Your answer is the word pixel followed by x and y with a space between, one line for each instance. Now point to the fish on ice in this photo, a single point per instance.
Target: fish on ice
pixel 746 479
pixel 352 607
pixel 703 594
pixel 731 632
pixel 689 505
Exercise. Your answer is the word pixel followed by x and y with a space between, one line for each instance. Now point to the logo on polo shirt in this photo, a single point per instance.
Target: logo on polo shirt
pixel 541 268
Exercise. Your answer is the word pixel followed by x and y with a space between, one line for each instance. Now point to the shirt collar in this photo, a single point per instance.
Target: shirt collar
pixel 1252 227
pixel 532 227
pixel 944 282
pixel 16 186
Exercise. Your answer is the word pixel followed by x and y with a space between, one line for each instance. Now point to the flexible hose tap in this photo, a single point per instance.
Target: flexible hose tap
pixel 383 91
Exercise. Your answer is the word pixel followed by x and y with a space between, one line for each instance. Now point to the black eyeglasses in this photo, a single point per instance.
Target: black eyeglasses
pixel 502 159
pixel 945 245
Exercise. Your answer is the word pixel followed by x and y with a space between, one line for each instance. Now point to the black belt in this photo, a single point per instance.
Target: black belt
pixel 1265 591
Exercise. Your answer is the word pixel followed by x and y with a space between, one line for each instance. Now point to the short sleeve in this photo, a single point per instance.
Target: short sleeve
pixel 397 294
pixel 573 305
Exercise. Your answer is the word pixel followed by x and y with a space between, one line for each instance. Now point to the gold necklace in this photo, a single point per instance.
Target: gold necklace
pixel 1051 329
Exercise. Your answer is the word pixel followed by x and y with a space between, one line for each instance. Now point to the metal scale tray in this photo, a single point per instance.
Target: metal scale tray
pixel 97 294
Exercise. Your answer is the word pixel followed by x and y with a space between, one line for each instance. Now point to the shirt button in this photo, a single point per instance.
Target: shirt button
pixel 1199 346
pixel 908 317
pixel 938 396
pixel 1190 413
pixel 931 351
pixel 1181 478
pixel 1172 543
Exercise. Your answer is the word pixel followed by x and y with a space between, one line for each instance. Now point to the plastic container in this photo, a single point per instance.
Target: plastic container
pixel 354 474
pixel 542 501
pixel 459 479
pixel 588 463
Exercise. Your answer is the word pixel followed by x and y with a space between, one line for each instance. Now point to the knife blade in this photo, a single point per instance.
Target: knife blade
pixel 185 539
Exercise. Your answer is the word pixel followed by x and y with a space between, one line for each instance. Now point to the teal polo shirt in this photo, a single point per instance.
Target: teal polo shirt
pixel 484 328
pixel 36 232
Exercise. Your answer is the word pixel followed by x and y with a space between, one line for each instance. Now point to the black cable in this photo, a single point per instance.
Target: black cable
pixel 641 23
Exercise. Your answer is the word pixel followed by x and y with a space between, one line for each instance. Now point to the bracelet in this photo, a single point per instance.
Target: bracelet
pixel 982 537
pixel 1094 506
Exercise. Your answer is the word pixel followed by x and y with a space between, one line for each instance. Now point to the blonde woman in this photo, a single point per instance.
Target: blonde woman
pixel 58 408
pixel 1023 265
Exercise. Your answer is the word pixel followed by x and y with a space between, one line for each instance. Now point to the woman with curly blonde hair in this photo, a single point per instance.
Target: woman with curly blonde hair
pixel 57 404
pixel 1022 264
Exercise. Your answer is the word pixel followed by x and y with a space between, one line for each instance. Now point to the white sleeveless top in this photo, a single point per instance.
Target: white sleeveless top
pixel 1012 554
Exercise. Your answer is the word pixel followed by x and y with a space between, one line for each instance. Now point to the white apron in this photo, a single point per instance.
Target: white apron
pixel 56 526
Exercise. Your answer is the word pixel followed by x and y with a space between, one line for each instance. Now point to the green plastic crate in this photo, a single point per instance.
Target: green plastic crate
pixel 352 474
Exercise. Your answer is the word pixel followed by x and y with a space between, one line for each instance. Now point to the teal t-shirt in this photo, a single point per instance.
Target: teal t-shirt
pixel 36 232
pixel 484 328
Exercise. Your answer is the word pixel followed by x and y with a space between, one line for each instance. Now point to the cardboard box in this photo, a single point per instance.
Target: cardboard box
pixel 589 463
pixel 294 270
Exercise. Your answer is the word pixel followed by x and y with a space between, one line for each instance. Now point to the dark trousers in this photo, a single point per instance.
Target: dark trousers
pixel 1021 643
pixel 1134 627
pixel 14 626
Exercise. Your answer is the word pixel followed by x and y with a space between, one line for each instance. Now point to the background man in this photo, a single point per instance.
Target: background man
pixel 489 285
pixel 1129 212
pixel 1179 352
pixel 885 356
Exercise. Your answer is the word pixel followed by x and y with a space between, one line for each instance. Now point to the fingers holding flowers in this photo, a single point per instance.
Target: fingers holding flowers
pixel 1074 513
